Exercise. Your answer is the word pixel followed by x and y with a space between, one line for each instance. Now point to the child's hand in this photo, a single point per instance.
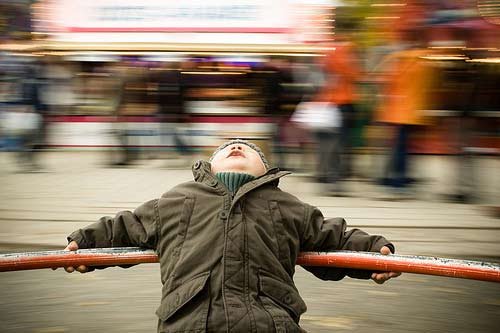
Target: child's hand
pixel 384 276
pixel 73 246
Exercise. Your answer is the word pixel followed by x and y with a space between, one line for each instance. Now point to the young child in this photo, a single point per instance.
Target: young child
pixel 227 243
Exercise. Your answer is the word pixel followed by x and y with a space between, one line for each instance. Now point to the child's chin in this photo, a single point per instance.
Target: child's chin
pixel 239 169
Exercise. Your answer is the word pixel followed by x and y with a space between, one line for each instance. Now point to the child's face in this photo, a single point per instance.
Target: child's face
pixel 238 158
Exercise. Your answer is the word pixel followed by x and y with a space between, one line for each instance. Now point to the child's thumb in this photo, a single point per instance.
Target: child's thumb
pixel 385 250
pixel 72 246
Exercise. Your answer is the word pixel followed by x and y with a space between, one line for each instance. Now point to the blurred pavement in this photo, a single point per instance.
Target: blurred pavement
pixel 39 209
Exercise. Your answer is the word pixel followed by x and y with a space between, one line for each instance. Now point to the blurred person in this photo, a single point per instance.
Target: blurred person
pixel 299 82
pixel 276 73
pixel 308 74
pixel 21 116
pixel 58 92
pixel 227 243
pixel 130 85
pixel 118 72
pixel 342 71
pixel 171 109
pixel 21 124
pixel 466 78
pixel 323 120
pixel 33 95
pixel 406 78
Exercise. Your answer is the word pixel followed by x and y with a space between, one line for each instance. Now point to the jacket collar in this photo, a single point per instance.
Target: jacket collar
pixel 202 172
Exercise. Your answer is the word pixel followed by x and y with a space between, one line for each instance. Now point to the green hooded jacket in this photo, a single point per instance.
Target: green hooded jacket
pixel 227 261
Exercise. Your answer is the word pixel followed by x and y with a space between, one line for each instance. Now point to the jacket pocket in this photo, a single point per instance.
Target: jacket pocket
pixel 186 307
pixel 284 295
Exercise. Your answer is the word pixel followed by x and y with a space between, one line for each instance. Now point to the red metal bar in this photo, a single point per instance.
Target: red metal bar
pixel 456 268
pixel 87 257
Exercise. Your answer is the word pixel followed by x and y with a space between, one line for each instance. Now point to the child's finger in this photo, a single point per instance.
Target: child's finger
pixel 375 277
pixel 69 269
pixel 394 274
pixel 380 277
pixel 82 269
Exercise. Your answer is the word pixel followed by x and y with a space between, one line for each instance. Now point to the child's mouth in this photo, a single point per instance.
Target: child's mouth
pixel 236 153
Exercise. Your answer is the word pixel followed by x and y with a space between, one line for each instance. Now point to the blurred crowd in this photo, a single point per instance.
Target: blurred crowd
pixel 427 85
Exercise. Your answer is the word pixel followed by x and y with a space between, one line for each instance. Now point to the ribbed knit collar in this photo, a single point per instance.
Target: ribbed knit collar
pixel 234 180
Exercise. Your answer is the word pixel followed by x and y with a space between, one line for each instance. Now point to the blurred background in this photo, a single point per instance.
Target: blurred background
pixel 161 80
pixel 168 81
pixel 387 112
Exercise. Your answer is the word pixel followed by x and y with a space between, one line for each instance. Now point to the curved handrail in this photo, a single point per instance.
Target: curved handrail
pixel 465 269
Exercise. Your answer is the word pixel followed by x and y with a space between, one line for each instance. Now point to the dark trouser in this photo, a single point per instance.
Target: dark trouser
pixel 26 153
pixel 126 153
pixel 172 129
pixel 348 123
pixel 397 167
pixel 335 160
pixel 130 153
pixel 465 187
pixel 329 156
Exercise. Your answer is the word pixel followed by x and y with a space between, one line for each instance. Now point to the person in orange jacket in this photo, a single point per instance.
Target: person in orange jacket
pixel 342 71
pixel 405 82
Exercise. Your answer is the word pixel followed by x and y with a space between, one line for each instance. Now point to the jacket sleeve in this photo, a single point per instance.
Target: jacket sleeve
pixel 325 235
pixel 138 228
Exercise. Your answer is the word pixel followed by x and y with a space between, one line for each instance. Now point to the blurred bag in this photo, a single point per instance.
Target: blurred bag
pixel 317 115
pixel 20 122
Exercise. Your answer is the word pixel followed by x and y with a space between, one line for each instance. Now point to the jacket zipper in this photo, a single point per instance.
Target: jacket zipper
pixel 231 196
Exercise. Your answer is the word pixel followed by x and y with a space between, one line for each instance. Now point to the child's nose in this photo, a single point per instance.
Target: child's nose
pixel 236 147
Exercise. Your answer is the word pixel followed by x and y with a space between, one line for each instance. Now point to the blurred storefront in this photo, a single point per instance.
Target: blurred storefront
pixel 208 67
pixel 464 49
pixel 219 69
